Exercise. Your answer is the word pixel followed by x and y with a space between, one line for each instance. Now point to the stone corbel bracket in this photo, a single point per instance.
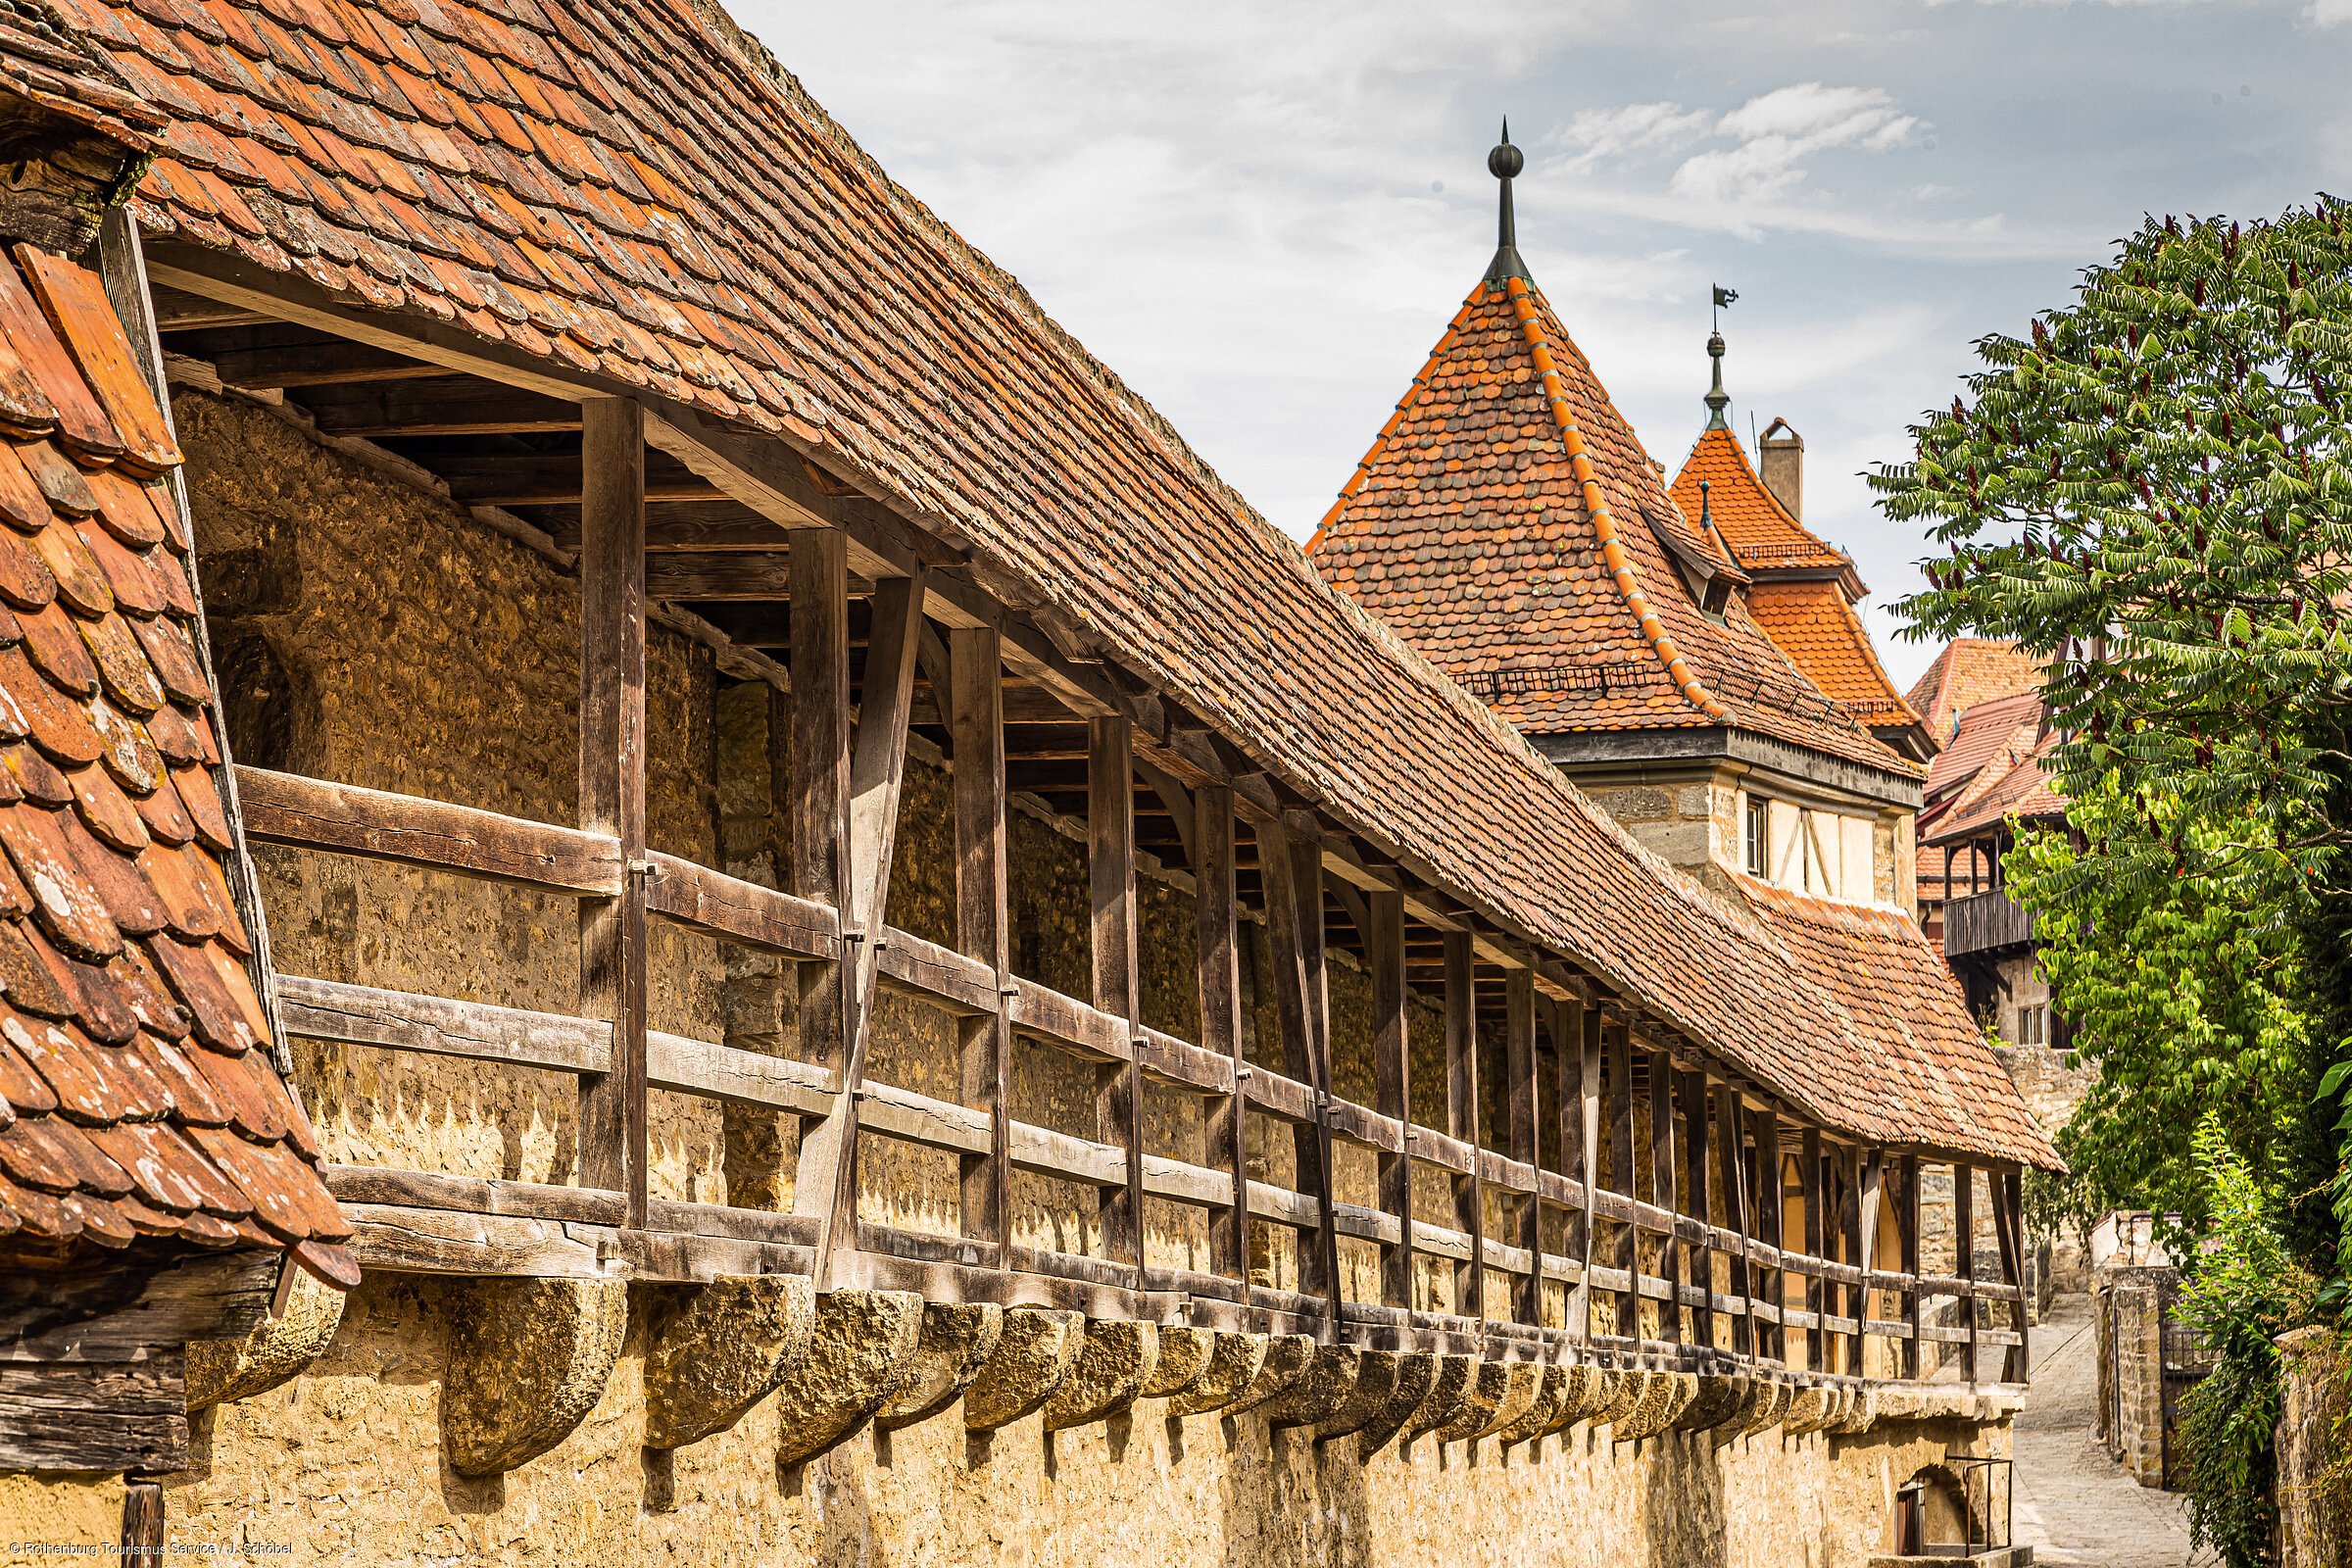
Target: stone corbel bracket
pixel 1114 1365
pixel 861 1351
pixel 1033 1354
pixel 1319 1391
pixel 277 1352
pixel 1234 1362
pixel 1184 1358
pixel 956 1340
pixel 528 1360
pixel 730 1345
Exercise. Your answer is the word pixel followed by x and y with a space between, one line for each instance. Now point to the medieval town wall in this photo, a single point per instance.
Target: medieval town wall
pixel 354 617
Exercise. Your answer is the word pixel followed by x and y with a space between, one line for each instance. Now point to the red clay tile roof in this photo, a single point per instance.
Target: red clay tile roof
pixel 2023 792
pixel 1754 523
pixel 1811 621
pixel 1991 735
pixel 137 1099
pixel 1802 590
pixel 1968 671
pixel 610 185
pixel 1506 521
pixel 1878 969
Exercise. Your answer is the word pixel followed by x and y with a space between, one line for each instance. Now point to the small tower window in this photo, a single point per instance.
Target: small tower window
pixel 1755 848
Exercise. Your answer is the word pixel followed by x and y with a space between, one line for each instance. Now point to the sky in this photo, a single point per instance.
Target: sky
pixel 1262 215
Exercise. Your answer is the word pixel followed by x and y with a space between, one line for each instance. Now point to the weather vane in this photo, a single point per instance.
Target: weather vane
pixel 1723 297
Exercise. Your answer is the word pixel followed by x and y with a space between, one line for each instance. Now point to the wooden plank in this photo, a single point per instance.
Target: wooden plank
pixel 1963 1242
pixel 1225 1127
pixel 1461 1118
pixel 1908 1237
pixel 1627 1256
pixel 1690 1090
pixel 2007 1221
pixel 1589 1123
pixel 142 1520
pixel 1871 1177
pixel 1164 1058
pixel 402 1020
pixel 1069 1023
pixel 95 1416
pixel 966 987
pixel 1391 1081
pixel 975 703
pixel 1847 1164
pixel 1729 1148
pixel 1291 863
pixel 1817 1240
pixel 827 1188
pixel 474 1195
pixel 1521 1091
pixel 722 576
pixel 313 813
pixel 720 904
pixel 1665 1182
pixel 1769 1211
pixel 405 1239
pixel 1110 880
pixel 612 936
pixel 681 1066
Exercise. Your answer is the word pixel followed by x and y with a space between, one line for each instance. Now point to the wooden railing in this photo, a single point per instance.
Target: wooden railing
pixel 1981 922
pixel 1697 1273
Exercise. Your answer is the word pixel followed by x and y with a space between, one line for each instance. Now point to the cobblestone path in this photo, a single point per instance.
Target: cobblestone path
pixel 2075 1506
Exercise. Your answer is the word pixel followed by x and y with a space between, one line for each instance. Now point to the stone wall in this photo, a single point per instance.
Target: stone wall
pixel 2131 1303
pixel 2314 1495
pixel 346 1465
pixel 372 633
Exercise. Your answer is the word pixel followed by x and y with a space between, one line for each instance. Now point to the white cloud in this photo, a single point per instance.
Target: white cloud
pixel 1779 130
pixel 2329 13
pixel 1599 133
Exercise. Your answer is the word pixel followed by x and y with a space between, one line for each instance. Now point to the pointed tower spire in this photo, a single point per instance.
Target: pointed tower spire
pixel 1504 162
pixel 1717 398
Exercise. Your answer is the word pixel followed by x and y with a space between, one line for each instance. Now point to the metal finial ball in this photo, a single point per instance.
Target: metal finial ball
pixel 1504 161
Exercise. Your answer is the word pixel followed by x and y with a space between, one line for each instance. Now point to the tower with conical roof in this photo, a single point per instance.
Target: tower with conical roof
pixel 1508 524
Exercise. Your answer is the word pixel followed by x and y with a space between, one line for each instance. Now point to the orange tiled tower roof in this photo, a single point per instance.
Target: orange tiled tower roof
pixel 1801 589
pixel 1510 527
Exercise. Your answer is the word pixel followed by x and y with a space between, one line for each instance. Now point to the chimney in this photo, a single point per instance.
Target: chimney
pixel 1780 458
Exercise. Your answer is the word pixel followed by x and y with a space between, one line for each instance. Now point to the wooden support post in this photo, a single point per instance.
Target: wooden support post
pixel 827 1188
pixel 819 768
pixel 1228 1119
pixel 1915 1299
pixel 1817 1245
pixel 1730 1141
pixel 2008 1226
pixel 1461 1120
pixel 1963 1242
pixel 143 1514
pixel 1873 1170
pixel 1392 1085
pixel 1700 1200
pixel 1628 1252
pixel 1568 1023
pixel 1111 862
pixel 1769 1209
pixel 976 731
pixel 1665 1186
pixel 1519 1070
pixel 1849 1230
pixel 1291 860
pixel 612 937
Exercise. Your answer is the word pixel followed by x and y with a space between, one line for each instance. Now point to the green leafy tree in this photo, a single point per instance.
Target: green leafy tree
pixel 2153 490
